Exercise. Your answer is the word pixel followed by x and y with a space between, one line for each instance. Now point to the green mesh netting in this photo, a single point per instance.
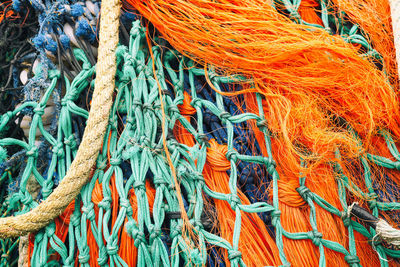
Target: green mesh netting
pixel 133 154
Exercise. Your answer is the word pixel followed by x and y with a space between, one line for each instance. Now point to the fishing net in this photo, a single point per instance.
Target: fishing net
pixel 173 124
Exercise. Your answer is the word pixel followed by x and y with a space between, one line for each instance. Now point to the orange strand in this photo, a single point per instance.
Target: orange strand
pixel 295 212
pixel 305 73
pixel 31 246
pixel 374 18
pixel 128 250
pixel 307 11
pixel 256 244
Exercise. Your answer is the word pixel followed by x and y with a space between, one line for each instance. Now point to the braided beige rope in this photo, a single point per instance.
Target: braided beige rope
pixel 395 12
pixel 86 156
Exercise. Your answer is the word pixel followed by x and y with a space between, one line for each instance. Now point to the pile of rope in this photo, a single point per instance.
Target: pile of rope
pixel 251 133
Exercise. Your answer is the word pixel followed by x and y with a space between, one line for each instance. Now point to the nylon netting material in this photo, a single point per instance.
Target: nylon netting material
pixel 133 171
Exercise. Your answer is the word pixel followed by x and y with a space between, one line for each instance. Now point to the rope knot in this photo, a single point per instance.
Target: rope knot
pixel 304 192
pixel 138 186
pixel 198 177
pixel 65 100
pixel 70 141
pixel 315 237
pixel 138 237
pixel 172 110
pixel 89 211
pixel 234 201
pixel 101 163
pixel 39 110
pixel 372 203
pixel 196 257
pixel 176 231
pixel 115 160
pixel 105 203
pixel 213 76
pixel 262 124
pixel 26 198
pixel 224 116
pixel 156 232
pixel 54 74
pixel 196 102
pixel 178 85
pixel 75 219
pixel 147 107
pixel 47 188
pixel 84 255
pixel 270 163
pixel 202 139
pixel 59 150
pixel 345 218
pixel 112 248
pixel 129 120
pixel 276 215
pixel 351 259
pixel 198 224
pixel 130 226
pixel 231 155
pixel 144 141
pixel 137 103
pixel 158 180
pixel 50 229
pixel 33 152
pixel 103 256
pixel 128 69
pixel 234 254
pixel 139 68
pixel 125 204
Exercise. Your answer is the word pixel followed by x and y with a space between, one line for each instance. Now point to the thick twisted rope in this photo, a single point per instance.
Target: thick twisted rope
pixel 78 173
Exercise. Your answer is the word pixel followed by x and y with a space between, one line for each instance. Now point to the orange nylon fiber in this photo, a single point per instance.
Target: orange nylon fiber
pixel 374 18
pixel 257 246
pixel 309 79
pixel 295 212
pixel 9 13
pixel 306 74
pixel 307 11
